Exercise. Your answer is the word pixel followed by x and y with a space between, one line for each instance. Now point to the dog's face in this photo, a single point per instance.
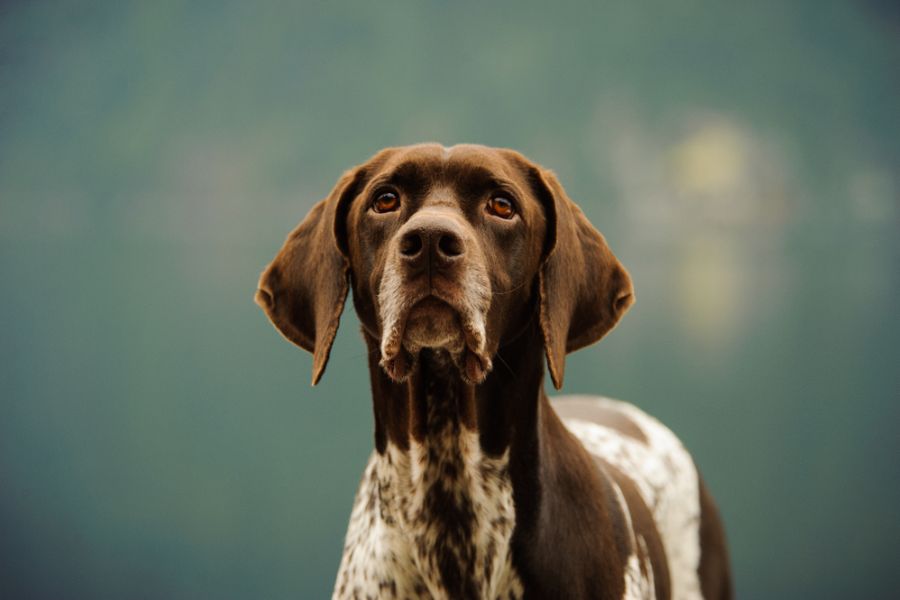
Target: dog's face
pixel 444 245
pixel 454 249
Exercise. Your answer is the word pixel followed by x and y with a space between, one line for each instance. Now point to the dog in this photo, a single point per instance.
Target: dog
pixel 470 266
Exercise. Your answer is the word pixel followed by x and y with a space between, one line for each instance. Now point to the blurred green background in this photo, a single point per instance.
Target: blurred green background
pixel 158 439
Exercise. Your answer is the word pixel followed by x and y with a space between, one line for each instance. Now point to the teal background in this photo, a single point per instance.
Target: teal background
pixel 158 439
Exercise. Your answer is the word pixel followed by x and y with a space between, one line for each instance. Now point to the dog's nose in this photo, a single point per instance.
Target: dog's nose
pixel 434 244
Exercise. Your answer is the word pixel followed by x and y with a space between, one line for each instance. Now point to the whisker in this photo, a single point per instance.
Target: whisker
pixel 505 364
pixel 511 290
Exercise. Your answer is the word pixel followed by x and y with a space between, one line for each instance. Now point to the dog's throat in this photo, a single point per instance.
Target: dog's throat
pixel 440 400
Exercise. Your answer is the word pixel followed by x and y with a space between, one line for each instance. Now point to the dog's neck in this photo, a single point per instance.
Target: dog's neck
pixel 451 500
pixel 461 468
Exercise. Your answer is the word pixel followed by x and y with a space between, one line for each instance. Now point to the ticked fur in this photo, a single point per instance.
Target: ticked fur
pixel 433 521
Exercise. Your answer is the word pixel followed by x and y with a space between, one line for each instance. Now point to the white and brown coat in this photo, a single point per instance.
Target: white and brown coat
pixel 470 266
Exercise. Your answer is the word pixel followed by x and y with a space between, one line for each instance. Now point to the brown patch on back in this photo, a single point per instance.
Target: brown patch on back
pixel 594 412
pixel 714 569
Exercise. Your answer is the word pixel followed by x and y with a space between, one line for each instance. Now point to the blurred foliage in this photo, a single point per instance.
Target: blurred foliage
pixel 158 440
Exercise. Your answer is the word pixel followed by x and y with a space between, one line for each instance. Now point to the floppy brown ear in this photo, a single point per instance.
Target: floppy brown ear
pixel 303 289
pixel 584 290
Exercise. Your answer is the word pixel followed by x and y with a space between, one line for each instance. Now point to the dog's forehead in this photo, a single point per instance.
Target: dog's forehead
pixel 430 164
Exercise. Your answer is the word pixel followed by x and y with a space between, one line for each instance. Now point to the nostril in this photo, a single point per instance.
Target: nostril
pixel 450 245
pixel 411 244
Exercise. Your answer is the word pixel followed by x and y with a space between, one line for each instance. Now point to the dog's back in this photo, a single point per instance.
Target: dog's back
pixel 628 443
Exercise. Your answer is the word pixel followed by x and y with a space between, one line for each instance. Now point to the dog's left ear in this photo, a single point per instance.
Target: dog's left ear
pixel 584 289
pixel 303 289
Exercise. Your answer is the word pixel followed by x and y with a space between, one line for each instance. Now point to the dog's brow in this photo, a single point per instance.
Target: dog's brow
pixel 474 175
pixel 474 181
pixel 413 177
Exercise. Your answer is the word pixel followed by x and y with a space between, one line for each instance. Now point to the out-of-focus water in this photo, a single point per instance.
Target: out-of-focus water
pixel 159 440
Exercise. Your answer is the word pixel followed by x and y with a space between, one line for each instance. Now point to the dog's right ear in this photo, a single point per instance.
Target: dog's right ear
pixel 303 289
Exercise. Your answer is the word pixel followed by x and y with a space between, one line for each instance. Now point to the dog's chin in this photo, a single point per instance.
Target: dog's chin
pixel 434 324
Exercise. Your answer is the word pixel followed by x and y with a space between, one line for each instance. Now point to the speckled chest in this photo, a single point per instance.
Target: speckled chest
pixel 432 521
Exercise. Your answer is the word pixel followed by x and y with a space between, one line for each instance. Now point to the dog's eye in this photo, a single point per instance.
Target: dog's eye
pixel 386 202
pixel 501 207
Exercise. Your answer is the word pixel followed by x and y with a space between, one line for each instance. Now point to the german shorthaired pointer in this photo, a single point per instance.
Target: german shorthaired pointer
pixel 469 265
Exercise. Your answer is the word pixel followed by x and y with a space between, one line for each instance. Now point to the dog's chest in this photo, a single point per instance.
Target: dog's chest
pixel 432 522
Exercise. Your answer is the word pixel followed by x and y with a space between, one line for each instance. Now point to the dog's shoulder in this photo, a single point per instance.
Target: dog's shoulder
pixel 629 443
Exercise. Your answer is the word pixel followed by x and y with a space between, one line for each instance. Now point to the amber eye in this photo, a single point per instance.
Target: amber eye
pixel 386 202
pixel 501 207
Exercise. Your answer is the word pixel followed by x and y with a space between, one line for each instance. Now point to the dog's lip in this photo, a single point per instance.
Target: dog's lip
pixel 432 300
pixel 431 297
pixel 418 299
pixel 433 323
pixel 431 305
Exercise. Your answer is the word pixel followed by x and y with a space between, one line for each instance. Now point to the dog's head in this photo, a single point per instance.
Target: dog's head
pixel 446 248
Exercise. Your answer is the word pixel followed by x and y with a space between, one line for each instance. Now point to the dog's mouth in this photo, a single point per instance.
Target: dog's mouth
pixel 434 322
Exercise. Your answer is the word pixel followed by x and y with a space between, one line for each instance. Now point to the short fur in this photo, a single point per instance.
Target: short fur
pixel 479 486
